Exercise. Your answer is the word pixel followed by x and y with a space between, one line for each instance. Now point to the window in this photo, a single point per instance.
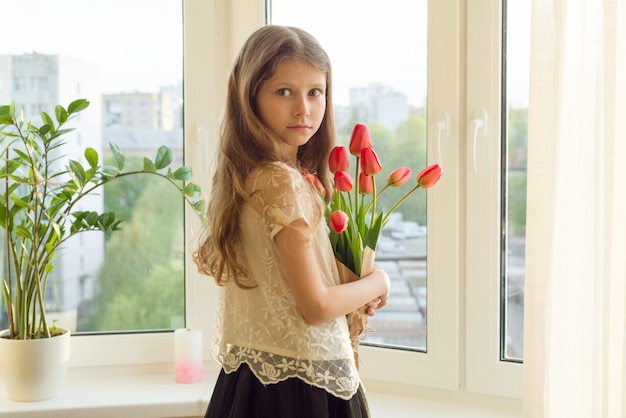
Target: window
pixel 383 54
pixel 515 116
pixel 379 47
pixel 463 345
pixel 377 86
pixel 130 280
pixel 497 69
pixel 137 348
pixel 464 76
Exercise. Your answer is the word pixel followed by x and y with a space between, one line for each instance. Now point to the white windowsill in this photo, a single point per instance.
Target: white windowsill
pixel 141 391
pixel 150 391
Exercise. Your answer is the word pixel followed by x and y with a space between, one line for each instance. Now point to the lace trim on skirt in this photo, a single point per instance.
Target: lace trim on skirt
pixel 338 377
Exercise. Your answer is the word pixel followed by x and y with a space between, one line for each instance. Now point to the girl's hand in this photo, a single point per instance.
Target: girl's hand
pixel 375 304
pixel 380 301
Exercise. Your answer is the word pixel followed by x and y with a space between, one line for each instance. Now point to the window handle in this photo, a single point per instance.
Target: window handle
pixel 477 128
pixel 440 128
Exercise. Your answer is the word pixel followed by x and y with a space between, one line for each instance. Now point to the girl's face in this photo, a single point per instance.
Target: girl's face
pixel 292 103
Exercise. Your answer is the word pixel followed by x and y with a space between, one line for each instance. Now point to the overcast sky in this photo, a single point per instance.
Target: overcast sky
pixel 104 32
pixel 367 40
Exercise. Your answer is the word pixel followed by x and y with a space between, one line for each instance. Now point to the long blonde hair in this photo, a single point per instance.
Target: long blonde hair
pixel 245 143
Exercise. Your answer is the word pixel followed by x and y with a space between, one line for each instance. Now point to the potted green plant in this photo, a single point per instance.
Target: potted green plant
pixel 38 213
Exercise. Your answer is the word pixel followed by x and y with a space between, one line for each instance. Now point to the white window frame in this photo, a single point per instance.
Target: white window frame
pixel 212 36
pixel 485 372
pixel 205 67
pixel 463 272
pixel 439 366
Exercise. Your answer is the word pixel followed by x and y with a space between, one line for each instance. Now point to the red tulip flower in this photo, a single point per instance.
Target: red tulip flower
pixel 360 139
pixel 429 176
pixel 425 179
pixel 338 159
pixel 338 221
pixel 315 182
pixel 366 184
pixel 399 176
pixel 343 181
pixel 370 164
pixel 319 186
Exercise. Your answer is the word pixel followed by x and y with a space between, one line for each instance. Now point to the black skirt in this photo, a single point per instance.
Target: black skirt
pixel 241 395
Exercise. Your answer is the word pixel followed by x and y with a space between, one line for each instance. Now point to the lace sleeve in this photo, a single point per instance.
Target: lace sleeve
pixel 281 196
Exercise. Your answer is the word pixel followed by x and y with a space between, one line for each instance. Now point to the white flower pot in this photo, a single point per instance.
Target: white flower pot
pixel 34 370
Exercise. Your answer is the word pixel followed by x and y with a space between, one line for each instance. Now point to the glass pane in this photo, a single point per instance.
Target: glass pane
pixel 125 57
pixel 378 54
pixel 517 56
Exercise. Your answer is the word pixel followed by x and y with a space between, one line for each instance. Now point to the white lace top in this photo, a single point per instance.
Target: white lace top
pixel 262 327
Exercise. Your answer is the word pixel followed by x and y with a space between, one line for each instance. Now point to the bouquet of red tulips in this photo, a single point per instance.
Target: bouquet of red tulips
pixel 354 219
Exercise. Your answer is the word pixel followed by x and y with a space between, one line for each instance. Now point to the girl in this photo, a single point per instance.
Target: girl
pixel 282 339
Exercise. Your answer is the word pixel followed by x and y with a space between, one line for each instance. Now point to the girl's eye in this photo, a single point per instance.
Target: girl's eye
pixel 284 92
pixel 315 92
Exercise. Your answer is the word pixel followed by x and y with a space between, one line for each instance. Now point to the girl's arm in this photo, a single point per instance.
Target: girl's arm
pixel 317 303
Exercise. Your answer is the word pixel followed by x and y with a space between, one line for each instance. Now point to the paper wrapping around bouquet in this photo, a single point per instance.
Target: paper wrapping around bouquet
pixel 357 320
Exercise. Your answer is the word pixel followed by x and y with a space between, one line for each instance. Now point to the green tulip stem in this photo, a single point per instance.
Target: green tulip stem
pixel 399 202
pixel 376 196
pixel 373 202
pixel 356 183
pixel 382 190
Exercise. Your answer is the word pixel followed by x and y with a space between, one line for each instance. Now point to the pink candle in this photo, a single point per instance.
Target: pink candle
pixel 188 355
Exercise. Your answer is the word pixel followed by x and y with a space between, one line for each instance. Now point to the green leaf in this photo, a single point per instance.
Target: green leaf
pixel 148 165
pixel 163 158
pixel 79 224
pixel 357 253
pixel 5 293
pixel 48 269
pixel 21 154
pixel 91 218
pixel 183 173
pixel 191 190
pixel 22 232
pixel 90 174
pixel 78 171
pixel 117 156
pixel 61 132
pixel 44 129
pixel 6 120
pixel 18 201
pixel 3 215
pixel 11 167
pixel 69 189
pixel 47 120
pixel 109 171
pixel 54 238
pixel 106 220
pixel 7 114
pixel 5 110
pixel 78 105
pixel 60 113
pixel 92 157
pixel 199 206
pixel 371 238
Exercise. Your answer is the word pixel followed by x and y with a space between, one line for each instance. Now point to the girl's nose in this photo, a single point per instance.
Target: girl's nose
pixel 302 107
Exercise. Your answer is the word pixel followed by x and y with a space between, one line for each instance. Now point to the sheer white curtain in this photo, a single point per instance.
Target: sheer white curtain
pixel 575 297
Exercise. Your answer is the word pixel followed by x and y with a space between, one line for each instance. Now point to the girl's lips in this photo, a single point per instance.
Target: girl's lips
pixel 299 128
